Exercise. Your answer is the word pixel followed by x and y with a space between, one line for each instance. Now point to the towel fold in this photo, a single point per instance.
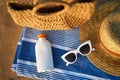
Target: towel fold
pixel 62 41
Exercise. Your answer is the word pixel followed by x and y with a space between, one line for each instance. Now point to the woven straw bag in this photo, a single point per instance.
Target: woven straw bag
pixel 68 16
pixel 51 15
pixel 21 12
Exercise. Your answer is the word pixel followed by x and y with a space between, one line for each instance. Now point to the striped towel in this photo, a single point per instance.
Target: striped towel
pixel 62 41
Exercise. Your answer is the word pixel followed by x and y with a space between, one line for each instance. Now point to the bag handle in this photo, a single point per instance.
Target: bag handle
pixel 22 5
pixel 50 8
pixel 70 1
pixel 79 1
pixel 35 2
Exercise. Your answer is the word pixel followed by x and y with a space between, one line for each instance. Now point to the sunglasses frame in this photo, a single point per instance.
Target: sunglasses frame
pixel 67 62
pixel 90 45
pixel 77 51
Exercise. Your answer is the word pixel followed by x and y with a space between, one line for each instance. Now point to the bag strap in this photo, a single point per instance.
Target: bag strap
pixel 69 1
pixel 35 2
pixel 79 1
pixel 50 7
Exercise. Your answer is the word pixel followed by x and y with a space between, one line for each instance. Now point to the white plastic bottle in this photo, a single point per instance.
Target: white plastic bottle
pixel 44 58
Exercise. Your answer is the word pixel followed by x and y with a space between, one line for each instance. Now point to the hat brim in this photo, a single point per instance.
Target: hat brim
pixel 101 58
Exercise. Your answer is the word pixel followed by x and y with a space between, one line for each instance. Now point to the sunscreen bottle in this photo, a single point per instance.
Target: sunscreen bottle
pixel 43 51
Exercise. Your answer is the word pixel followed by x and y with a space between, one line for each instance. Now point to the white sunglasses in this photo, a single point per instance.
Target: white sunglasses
pixel 84 49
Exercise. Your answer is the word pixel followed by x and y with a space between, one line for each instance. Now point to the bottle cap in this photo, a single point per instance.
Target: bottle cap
pixel 41 36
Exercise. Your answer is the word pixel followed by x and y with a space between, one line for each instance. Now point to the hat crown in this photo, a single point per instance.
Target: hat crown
pixel 114 29
pixel 110 33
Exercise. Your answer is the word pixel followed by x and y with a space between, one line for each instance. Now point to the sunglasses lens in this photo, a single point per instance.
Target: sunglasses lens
pixel 70 57
pixel 85 49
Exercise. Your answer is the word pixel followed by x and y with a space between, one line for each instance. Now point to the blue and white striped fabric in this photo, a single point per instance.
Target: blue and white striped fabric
pixel 62 41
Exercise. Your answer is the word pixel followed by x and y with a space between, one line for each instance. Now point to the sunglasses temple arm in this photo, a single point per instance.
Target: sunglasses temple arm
pixel 67 64
pixel 93 49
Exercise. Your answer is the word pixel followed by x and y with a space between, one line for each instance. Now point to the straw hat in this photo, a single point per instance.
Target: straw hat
pixel 102 57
